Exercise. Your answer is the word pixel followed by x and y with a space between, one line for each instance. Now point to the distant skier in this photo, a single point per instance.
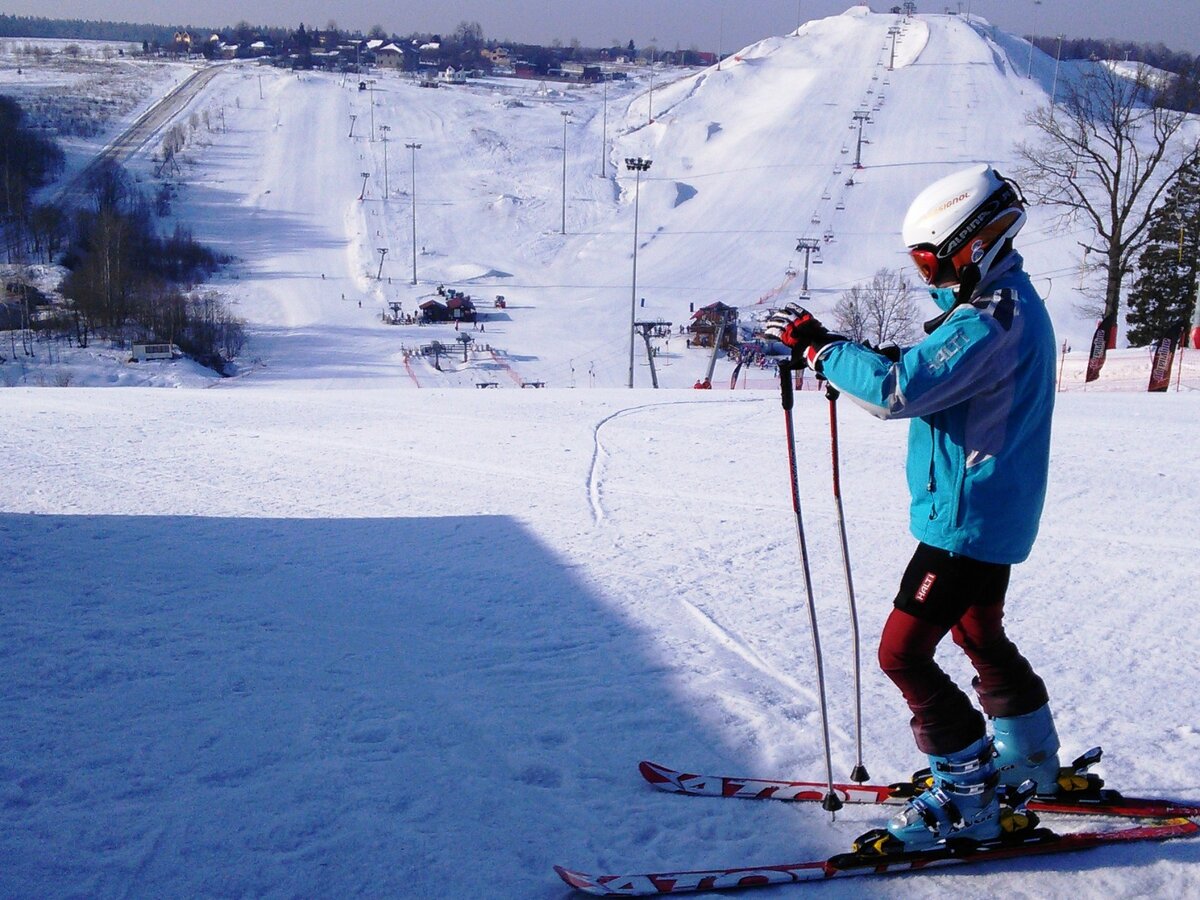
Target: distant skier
pixel 980 391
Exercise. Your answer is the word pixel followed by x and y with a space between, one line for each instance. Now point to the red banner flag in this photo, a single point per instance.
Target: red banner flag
pixel 1160 368
pixel 1097 353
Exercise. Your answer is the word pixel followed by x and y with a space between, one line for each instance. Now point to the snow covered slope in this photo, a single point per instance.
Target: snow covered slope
pixel 413 644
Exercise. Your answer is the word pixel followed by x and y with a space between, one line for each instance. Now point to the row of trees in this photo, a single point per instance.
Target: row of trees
pixel 1107 156
pixel 28 161
pixel 124 275
pixel 124 279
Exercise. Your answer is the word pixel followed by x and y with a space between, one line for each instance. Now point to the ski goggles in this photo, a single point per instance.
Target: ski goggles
pixel 932 268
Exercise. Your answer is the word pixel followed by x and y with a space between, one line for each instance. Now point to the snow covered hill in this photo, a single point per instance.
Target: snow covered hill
pixel 747 158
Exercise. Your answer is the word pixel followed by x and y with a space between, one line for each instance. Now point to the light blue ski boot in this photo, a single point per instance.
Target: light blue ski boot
pixel 961 802
pixel 1027 748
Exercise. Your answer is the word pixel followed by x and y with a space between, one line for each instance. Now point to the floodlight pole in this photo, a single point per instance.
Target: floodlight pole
pixel 637 165
pixel 1054 86
pixel 1029 70
pixel 604 130
pixel 385 129
pixel 414 147
pixel 566 114
pixel 371 85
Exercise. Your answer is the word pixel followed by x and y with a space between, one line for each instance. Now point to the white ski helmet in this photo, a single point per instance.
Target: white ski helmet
pixel 957 227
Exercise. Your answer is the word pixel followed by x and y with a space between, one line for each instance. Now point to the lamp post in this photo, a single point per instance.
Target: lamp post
pixel 566 114
pixel 363 192
pixel 414 147
pixel 385 129
pixel 637 165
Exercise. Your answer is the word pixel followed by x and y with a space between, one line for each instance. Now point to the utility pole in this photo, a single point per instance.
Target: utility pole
pixel 860 116
pixel 414 147
pixel 637 165
pixel 809 246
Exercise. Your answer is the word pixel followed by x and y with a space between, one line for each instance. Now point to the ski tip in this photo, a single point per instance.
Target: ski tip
pixel 655 774
pixel 577 880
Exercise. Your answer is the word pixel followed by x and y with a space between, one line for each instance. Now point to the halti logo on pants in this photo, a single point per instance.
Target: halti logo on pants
pixel 926 585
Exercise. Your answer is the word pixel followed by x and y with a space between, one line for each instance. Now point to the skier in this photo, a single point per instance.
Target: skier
pixel 979 390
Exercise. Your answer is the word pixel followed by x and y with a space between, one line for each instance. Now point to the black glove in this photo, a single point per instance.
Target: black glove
pixel 800 330
pixel 890 350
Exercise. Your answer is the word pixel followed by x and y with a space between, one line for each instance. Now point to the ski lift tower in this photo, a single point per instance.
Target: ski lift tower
pixel 658 328
pixel 860 116
pixel 893 31
pixel 809 246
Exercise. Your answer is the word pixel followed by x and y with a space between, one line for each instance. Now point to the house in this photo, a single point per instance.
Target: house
pixel 454 76
pixel 389 57
pixel 430 54
pixel 144 350
pixel 434 311
pixel 460 307
pixel 713 322
pixel 499 58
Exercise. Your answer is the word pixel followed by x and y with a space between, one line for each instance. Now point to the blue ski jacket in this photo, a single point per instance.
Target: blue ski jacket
pixel 980 392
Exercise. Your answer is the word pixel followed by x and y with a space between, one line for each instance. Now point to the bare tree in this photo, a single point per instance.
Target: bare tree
pixel 1107 152
pixel 879 311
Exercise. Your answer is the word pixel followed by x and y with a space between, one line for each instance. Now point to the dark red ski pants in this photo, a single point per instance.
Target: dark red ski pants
pixel 939 593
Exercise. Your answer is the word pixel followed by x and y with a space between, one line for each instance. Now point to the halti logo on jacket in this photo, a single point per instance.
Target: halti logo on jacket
pixel 926 585
pixel 950 349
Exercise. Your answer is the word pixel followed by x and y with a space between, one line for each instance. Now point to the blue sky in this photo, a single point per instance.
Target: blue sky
pixel 707 24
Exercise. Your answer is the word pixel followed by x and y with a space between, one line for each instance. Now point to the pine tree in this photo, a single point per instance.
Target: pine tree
pixel 1164 294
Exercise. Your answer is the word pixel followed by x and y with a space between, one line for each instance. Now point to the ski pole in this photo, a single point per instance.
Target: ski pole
pixel 860 771
pixel 831 801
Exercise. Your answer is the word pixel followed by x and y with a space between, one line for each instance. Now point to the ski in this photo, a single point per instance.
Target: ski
pixel 1097 802
pixel 1037 842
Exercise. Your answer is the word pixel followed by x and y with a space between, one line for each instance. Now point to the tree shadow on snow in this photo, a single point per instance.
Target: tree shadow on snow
pixel 397 707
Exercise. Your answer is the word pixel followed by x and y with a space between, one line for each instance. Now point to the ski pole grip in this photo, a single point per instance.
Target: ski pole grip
pixel 785 383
